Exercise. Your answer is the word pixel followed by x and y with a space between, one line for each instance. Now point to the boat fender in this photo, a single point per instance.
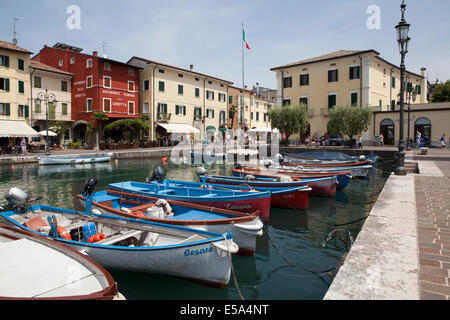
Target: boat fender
pixel 63 233
pixel 96 238
pixel 138 214
pixel 96 211
pixel 161 203
pixel 125 210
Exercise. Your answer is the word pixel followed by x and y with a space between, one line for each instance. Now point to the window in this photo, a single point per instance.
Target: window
pixel 304 79
pixel 384 71
pixel 161 86
pixel 131 86
pixel 51 111
pixel 146 107
pixel 180 110
pixel 251 101
pixel 222 119
pixel 37 108
pixel 4 61
pixel 393 105
pixel 64 86
pixel 354 99
pixel 5 109
pixel 20 64
pixel 21 86
pixel 106 105
pixel 4 84
pixel 180 75
pixel 197 113
pixel 265 117
pixel 89 105
pixel 107 66
pixel 180 89
pixel 393 82
pixel 146 85
pixel 161 71
pixel 304 101
pixel 210 82
pixel 37 82
pixel 197 79
pixel 418 89
pixel 331 101
pixel 222 97
pixel 209 95
pixel 380 103
pixel 287 82
pixel 257 116
pixel 162 109
pixel 60 62
pixel 89 82
pixel 107 82
pixel 333 75
pixel 210 113
pixel 354 73
pixel 197 92
pixel 20 111
pixel 89 63
pixel 286 102
pixel 72 60
pixel 64 109
pixel 130 107
pixel 130 71
pixel 230 99
pixel 251 115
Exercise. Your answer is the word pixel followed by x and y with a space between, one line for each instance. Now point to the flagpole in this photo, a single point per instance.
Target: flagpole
pixel 243 83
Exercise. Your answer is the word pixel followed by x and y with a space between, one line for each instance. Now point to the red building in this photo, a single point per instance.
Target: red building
pixel 99 85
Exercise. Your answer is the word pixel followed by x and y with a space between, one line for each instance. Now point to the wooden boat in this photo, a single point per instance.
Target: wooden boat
pixel 45 160
pixel 296 197
pixel 247 202
pixel 33 267
pixel 244 227
pixel 327 157
pixel 131 244
pixel 321 185
pixel 354 171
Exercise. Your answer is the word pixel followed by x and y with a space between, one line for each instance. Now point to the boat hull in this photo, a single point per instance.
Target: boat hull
pixel 72 160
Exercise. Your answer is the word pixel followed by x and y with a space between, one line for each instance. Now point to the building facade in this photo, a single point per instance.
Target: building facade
pixel 14 82
pixel 177 99
pixel 343 78
pixel 47 79
pixel 100 85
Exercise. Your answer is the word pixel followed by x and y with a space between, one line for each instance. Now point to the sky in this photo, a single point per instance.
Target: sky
pixel 208 33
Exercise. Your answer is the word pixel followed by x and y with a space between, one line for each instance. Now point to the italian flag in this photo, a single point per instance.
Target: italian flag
pixel 243 38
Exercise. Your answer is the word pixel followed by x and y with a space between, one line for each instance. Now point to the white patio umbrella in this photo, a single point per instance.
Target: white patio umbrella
pixel 50 133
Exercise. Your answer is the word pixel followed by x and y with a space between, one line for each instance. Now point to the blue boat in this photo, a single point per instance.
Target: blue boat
pixel 236 200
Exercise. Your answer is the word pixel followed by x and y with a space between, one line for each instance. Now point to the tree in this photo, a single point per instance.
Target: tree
pixel 349 121
pixel 137 123
pixel 441 92
pixel 289 119
pixel 60 128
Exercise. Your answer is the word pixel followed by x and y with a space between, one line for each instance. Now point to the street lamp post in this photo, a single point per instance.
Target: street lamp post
pixel 403 39
pixel 47 97
pixel 408 140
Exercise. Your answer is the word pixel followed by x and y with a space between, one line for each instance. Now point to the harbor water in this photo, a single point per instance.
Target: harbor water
pixel 286 255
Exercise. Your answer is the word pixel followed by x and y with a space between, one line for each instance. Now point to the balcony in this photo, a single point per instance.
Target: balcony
pixel 163 117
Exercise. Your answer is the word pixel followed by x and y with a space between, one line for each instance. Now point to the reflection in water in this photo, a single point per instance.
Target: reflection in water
pixel 298 235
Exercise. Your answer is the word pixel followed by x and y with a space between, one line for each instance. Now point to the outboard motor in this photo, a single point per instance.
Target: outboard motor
pixel 159 174
pixel 268 163
pixel 362 158
pixel 237 166
pixel 89 187
pixel 279 158
pixel 17 199
pixel 249 178
pixel 200 171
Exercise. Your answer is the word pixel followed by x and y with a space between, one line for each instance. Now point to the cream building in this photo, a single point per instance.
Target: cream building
pixel 347 78
pixel 45 78
pixel 14 82
pixel 177 99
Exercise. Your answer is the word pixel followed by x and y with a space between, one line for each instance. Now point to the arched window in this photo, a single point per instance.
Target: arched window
pixel 423 125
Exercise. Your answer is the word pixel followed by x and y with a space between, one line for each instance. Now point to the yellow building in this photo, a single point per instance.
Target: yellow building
pixel 14 82
pixel 177 99
pixel 346 78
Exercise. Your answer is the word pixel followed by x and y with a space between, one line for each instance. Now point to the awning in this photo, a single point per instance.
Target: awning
pixel 210 128
pixel 16 128
pixel 178 128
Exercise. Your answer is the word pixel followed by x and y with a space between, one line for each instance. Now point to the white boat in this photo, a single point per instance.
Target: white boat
pixel 35 268
pixel 358 172
pixel 44 160
pixel 130 244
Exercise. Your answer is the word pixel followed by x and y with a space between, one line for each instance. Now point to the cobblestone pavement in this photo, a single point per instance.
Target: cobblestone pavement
pixel 433 218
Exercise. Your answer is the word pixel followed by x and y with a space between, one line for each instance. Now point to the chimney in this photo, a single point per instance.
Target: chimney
pixel 191 67
pixel 95 53
pixel 423 72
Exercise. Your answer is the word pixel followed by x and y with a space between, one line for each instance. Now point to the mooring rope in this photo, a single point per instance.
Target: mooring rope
pixel 232 269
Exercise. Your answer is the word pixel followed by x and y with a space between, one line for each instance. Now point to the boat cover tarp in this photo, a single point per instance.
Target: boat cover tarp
pixel 320 155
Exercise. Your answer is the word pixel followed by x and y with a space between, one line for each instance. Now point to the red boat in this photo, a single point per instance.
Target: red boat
pixel 322 184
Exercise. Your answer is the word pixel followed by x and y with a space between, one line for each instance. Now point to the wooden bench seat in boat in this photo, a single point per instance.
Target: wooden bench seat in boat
pixel 120 237
pixel 210 195
pixel 167 191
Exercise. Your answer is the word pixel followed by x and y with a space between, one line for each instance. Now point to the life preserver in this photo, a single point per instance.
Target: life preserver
pixel 161 203
pixel 138 213
pixel 63 233
pixel 96 237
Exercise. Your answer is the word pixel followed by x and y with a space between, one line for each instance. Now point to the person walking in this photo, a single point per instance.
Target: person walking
pixel 381 139
pixel 443 141
pixel 23 146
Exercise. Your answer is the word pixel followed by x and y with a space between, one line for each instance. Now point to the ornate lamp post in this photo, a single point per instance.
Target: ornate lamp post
pixel 403 39
pixel 47 97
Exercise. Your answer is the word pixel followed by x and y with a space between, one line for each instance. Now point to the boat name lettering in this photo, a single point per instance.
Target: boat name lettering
pixel 238 207
pixel 197 252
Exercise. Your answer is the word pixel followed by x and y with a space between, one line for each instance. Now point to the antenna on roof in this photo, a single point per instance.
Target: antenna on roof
pixel 14 40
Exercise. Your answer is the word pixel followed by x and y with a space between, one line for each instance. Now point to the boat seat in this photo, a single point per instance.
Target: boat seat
pixel 192 238
pixel 210 195
pixel 148 239
pixel 120 237
pixel 167 191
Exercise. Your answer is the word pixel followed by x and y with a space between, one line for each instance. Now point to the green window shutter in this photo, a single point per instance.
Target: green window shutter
pixel 177 109
pixel 8 109
pixel 6 61
pixel 393 82
pixel 20 64
pixel 21 87
pixel 6 84
pixel 27 114
pixel 419 89
pixel 64 109
pixel 230 99
pixel 37 108
pixel 251 115
pixel 184 110
pixel 161 86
